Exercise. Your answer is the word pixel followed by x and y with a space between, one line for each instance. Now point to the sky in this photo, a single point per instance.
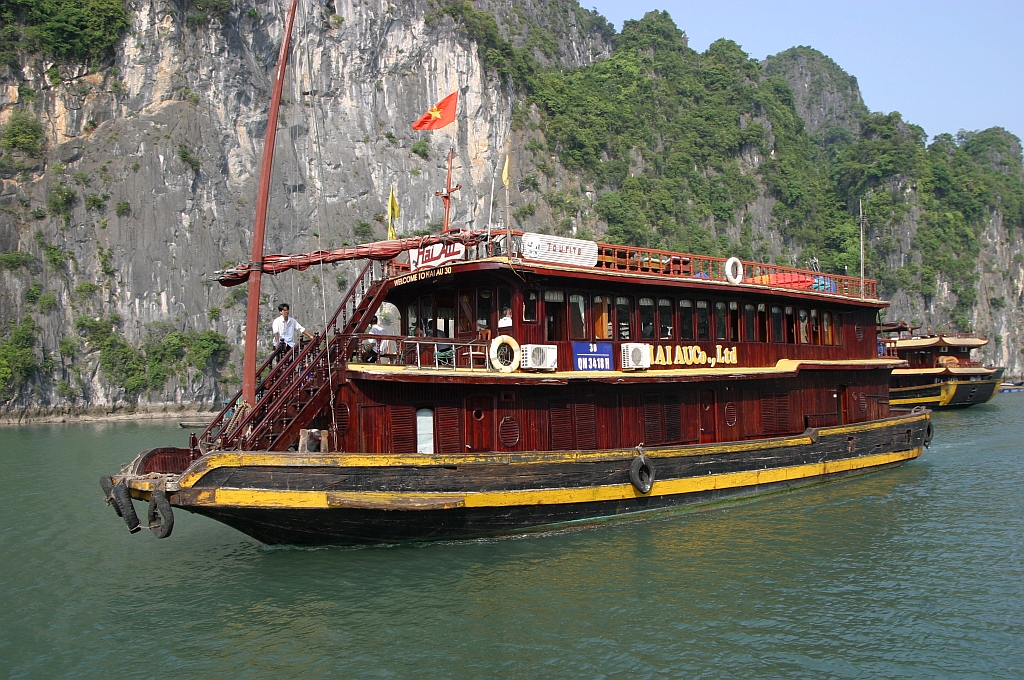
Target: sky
pixel 944 65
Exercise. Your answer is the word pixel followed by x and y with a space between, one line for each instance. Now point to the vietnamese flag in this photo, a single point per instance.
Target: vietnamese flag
pixel 440 115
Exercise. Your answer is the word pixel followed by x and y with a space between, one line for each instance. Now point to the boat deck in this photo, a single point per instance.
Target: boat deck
pixel 784 368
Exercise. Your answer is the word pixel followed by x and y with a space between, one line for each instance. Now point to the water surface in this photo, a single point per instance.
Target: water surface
pixel 912 572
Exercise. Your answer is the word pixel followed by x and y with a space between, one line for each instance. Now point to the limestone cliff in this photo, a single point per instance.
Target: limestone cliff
pixel 147 179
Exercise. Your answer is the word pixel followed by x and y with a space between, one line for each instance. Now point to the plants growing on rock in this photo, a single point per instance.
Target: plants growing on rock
pixel 23 132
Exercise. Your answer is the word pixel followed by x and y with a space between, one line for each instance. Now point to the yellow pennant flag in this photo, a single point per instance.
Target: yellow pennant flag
pixel 504 173
pixel 393 213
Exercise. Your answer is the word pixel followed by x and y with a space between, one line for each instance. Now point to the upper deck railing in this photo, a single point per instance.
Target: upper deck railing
pixel 674 265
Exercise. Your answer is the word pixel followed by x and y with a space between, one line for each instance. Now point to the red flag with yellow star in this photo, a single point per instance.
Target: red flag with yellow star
pixel 441 114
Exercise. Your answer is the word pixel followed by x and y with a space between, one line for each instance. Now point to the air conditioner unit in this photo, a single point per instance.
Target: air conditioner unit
pixel 636 356
pixel 539 358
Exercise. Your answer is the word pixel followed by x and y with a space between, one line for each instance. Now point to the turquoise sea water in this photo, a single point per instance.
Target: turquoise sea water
pixel 912 572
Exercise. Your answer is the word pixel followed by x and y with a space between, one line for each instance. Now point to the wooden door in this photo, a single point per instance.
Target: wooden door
pixel 708 417
pixel 373 429
pixel 842 405
pixel 479 424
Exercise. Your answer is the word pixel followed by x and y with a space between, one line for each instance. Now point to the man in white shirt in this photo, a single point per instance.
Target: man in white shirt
pixel 285 328
pixel 506 319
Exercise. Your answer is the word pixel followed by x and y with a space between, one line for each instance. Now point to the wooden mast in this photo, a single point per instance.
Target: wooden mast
pixel 252 315
pixel 446 195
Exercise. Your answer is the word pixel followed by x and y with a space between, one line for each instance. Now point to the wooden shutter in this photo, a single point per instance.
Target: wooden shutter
pixel 561 426
pixel 654 421
pixel 403 429
pixel 586 425
pixel 782 411
pixel 447 429
pixel 774 411
pixel 673 418
pixel 767 411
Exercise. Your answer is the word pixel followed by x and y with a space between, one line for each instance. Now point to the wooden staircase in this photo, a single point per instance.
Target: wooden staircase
pixel 291 394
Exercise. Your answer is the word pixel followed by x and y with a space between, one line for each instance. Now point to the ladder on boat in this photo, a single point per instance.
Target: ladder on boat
pixel 290 394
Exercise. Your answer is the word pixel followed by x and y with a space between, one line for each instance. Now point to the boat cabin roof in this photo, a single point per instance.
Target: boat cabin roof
pixel 600 265
pixel 969 342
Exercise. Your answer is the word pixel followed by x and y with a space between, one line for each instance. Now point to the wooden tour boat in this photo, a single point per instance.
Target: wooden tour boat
pixel 940 372
pixel 535 381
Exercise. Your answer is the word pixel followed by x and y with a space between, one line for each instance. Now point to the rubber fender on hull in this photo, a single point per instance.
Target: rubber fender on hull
pixel 124 504
pixel 929 433
pixel 160 516
pixel 641 473
pixel 107 484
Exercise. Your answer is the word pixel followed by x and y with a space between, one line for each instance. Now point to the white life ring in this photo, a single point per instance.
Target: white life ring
pixel 733 263
pixel 499 363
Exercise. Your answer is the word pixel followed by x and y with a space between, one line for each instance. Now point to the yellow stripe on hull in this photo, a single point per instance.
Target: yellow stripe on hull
pixel 298 500
pixel 945 396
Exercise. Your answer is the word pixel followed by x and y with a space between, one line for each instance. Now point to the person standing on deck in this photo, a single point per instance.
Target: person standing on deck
pixel 285 329
pixel 372 349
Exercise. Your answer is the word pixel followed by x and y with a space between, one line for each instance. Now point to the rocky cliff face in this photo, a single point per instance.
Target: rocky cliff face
pixel 826 96
pixel 172 134
pixel 157 156
pixel 829 101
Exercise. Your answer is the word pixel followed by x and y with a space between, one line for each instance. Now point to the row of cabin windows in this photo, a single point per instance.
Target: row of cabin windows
pixel 444 313
pixel 607 317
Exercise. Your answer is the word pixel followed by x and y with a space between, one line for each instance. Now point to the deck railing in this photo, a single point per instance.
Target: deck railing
pixel 634 259
pixel 437 353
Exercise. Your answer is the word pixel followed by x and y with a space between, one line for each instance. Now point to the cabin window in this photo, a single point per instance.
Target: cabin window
pixel 646 306
pixel 762 322
pixel 623 314
pixel 837 327
pixel 577 317
pixel 529 305
pixel 804 327
pixel 665 319
pixel 602 317
pixel 815 328
pixel 826 328
pixel 410 320
pixel 466 311
pixel 721 323
pixel 790 326
pixel 505 303
pixel 703 320
pixel 734 321
pixel 483 310
pixel 749 323
pixel 426 328
pixel 686 319
pixel 554 311
pixel 445 313
pixel 425 430
pixel 778 325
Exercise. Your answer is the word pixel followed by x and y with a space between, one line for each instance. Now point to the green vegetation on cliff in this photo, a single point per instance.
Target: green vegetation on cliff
pixel 17 357
pixel 165 353
pixel 957 184
pixel 78 31
pixel 679 144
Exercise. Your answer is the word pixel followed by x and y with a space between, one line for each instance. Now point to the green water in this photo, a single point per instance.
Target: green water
pixel 905 573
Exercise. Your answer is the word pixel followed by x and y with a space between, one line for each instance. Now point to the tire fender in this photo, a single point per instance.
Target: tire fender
pixel 124 504
pixel 496 344
pixel 160 516
pixel 734 270
pixel 929 433
pixel 107 484
pixel 641 473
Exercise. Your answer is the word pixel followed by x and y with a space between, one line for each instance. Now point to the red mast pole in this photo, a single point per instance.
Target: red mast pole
pixel 446 195
pixel 252 315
